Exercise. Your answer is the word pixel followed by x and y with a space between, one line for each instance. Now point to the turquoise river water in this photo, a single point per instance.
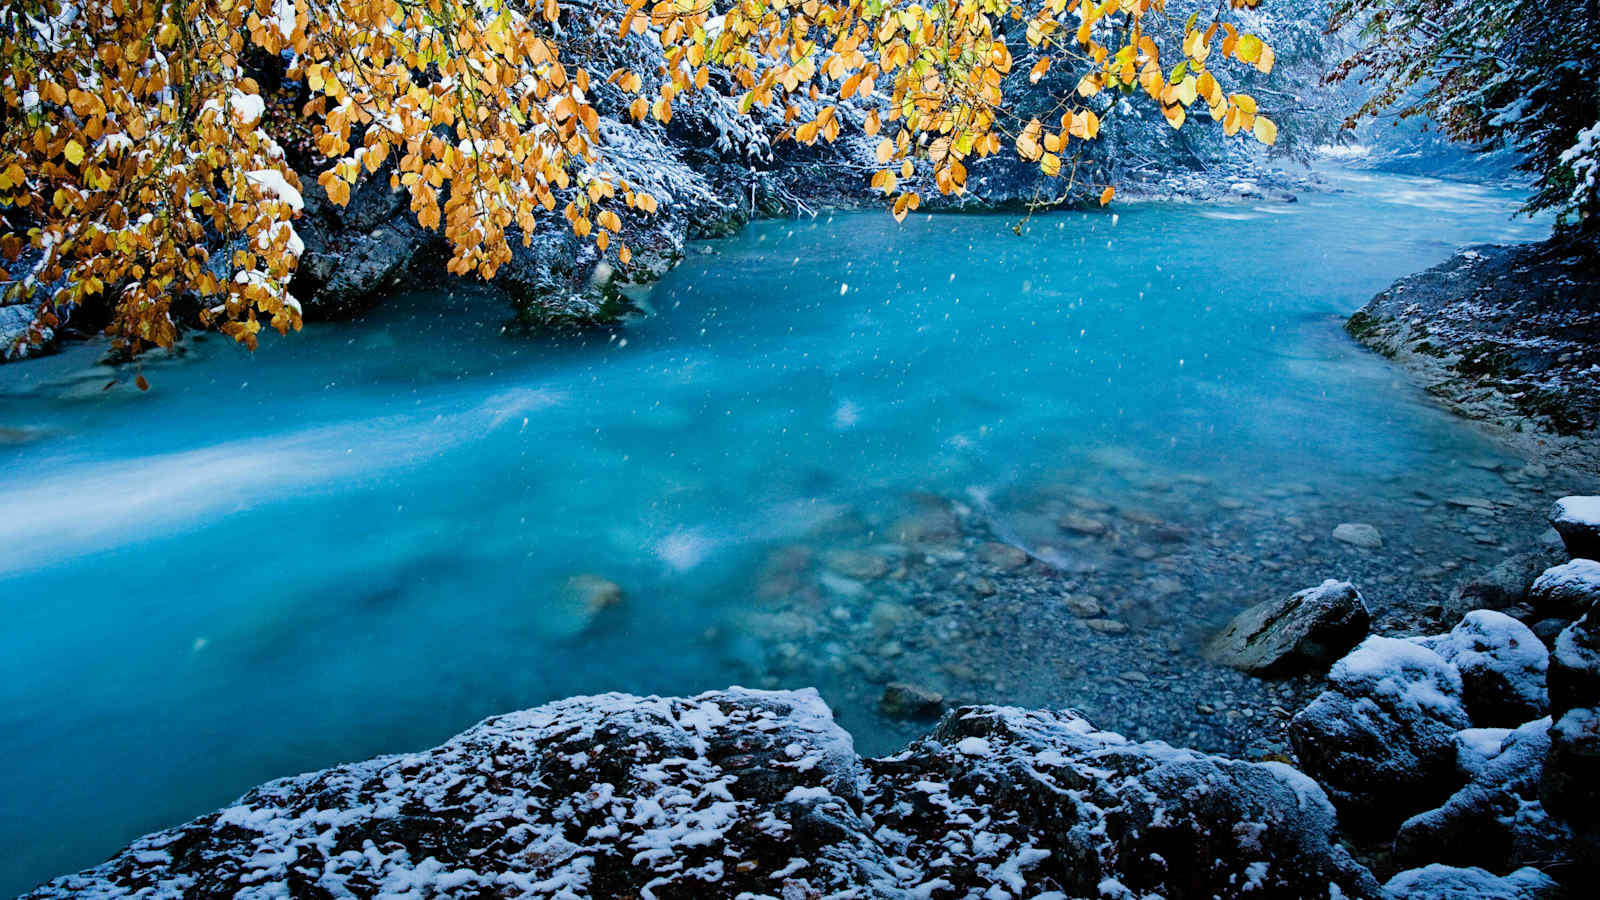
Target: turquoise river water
pixel 358 540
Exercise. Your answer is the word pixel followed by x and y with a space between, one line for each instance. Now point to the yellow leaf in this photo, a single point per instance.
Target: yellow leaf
pixel 1265 130
pixel 1248 48
pixel 1106 195
pixel 1050 164
pixel 885 150
pixel 73 152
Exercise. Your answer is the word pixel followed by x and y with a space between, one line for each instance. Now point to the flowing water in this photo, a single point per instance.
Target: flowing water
pixel 358 540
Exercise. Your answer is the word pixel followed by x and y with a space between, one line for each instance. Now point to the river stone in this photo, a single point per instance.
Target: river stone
pixel 1502 665
pixel 1358 534
pixel 1084 606
pixel 1567 591
pixel 1504 585
pixel 857 563
pixel 901 700
pixel 1307 630
pixel 743 793
pixel 1381 739
pixel 582 599
pixel 1107 626
pixel 1577 520
pixel 1001 556
pixel 1081 524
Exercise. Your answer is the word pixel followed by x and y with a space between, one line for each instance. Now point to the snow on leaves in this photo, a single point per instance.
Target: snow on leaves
pixel 136 142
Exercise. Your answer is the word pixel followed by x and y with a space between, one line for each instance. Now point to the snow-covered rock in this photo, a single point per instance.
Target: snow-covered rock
pixel 1570 785
pixel 1437 882
pixel 1567 591
pixel 1309 629
pixel 1496 821
pixel 1577 520
pixel 1381 739
pixel 1574 675
pixel 1502 665
pixel 756 794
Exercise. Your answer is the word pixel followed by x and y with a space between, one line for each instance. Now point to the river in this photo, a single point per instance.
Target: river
pixel 359 539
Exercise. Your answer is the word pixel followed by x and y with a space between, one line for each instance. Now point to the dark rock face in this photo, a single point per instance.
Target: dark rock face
pixel 1309 629
pixel 1381 740
pixel 744 793
pixel 1577 520
pixel 1502 665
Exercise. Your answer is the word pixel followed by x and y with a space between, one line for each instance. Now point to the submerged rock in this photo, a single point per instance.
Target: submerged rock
pixel 1309 629
pixel 861 564
pixel 1381 739
pixel 1358 534
pixel 1002 556
pixel 1577 520
pixel 901 700
pixel 756 794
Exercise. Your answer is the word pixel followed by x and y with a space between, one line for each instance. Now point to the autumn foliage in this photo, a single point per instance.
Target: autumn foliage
pixel 135 168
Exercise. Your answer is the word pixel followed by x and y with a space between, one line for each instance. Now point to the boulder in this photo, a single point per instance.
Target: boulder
pixel 1574 676
pixel 1502 665
pixel 1504 585
pixel 1307 630
pixel 1496 821
pixel 1577 520
pixel 1567 591
pixel 756 794
pixel 1381 739
pixel 1437 882
pixel 1570 783
pixel 1358 534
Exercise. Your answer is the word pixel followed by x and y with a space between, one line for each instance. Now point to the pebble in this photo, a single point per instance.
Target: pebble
pixel 1107 626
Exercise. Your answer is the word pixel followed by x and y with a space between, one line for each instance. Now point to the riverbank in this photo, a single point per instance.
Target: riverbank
pixel 1506 336
pixel 1459 766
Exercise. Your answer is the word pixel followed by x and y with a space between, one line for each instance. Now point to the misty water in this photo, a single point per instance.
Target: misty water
pixel 358 539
